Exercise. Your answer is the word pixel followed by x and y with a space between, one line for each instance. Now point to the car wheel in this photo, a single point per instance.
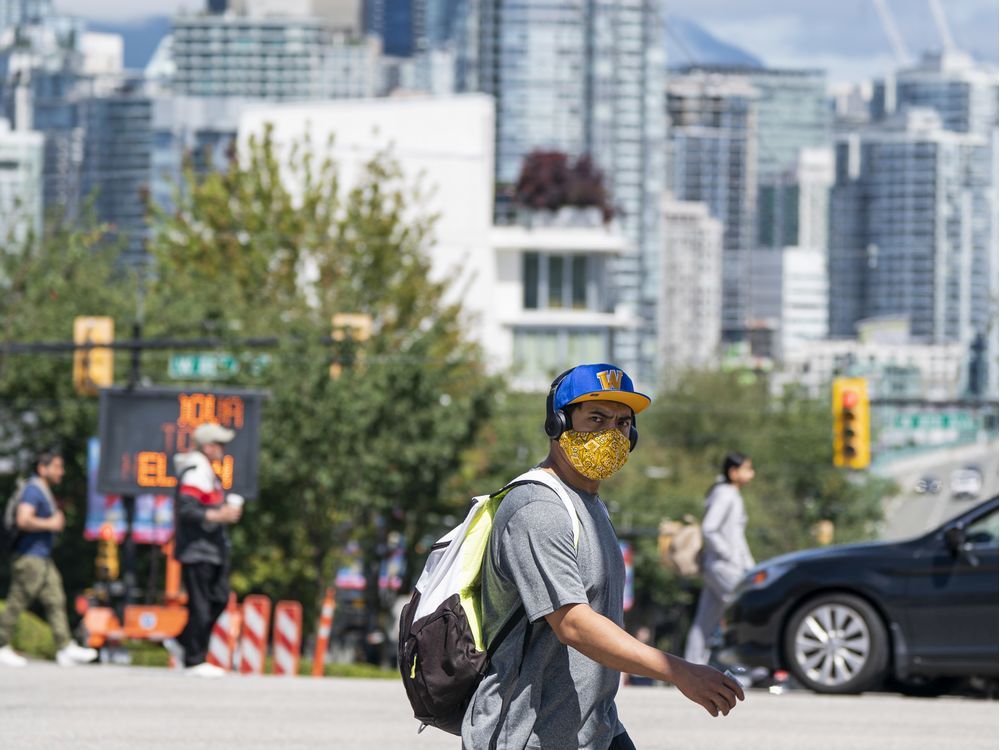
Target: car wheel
pixel 836 643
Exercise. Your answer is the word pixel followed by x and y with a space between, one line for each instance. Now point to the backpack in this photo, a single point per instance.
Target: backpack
pixel 8 527
pixel 442 656
pixel 680 546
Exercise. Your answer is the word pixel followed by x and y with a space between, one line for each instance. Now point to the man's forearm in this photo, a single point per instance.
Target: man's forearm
pixel 34 524
pixel 598 638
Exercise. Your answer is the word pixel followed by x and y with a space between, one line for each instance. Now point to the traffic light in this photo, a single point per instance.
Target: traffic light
pixel 349 330
pixel 107 554
pixel 93 368
pixel 851 423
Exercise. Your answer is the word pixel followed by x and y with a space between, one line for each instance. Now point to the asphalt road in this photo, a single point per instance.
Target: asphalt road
pixel 910 514
pixel 127 708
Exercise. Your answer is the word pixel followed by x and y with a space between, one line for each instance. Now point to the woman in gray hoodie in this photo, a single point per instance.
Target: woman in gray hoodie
pixel 725 553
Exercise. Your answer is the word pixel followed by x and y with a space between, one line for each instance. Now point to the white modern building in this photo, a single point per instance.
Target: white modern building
pixel 790 296
pixel 537 298
pixel 21 155
pixel 583 79
pixel 553 297
pixel 691 303
pixel 931 372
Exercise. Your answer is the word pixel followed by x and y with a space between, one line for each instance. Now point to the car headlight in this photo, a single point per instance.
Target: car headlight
pixel 761 576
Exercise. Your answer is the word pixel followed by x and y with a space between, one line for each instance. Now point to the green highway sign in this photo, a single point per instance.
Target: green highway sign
pixel 209 366
pixel 935 421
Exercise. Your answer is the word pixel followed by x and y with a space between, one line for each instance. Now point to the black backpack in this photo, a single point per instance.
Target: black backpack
pixel 442 654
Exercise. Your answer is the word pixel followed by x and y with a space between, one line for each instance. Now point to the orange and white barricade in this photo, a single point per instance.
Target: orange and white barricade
pixel 287 643
pixel 253 644
pixel 224 634
pixel 323 633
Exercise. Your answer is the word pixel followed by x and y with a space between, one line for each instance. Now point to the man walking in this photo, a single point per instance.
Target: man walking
pixel 201 545
pixel 34 576
pixel 552 681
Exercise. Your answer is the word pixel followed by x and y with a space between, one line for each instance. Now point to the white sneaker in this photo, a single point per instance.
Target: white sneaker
pixel 176 650
pixel 72 654
pixel 205 670
pixel 10 658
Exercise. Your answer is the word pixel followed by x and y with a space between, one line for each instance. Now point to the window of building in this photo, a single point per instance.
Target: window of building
pixel 558 281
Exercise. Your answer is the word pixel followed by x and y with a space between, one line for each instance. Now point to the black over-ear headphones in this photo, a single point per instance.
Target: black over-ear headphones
pixel 557 421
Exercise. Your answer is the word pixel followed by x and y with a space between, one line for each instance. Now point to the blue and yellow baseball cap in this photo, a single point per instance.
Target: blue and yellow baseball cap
pixel 601 382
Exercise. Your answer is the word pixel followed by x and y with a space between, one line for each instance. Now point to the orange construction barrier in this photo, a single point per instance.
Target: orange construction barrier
pixel 323 633
pixel 287 643
pixel 253 644
pixel 223 641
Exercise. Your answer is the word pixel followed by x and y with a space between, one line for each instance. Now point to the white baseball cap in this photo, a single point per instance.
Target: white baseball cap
pixel 211 432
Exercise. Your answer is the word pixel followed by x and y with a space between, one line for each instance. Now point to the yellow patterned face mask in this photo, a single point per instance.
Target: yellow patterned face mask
pixel 596 455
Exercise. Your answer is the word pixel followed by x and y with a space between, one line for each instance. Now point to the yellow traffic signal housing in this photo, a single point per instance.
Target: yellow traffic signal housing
pixel 107 554
pixel 851 423
pixel 93 368
pixel 353 327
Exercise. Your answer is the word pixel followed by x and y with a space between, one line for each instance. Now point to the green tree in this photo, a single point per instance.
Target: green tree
pixel 276 245
pixel 44 284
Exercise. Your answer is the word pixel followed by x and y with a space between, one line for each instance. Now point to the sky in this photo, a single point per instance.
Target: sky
pixel 842 36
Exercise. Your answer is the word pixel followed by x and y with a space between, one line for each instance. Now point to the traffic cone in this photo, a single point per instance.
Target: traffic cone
pixel 323 633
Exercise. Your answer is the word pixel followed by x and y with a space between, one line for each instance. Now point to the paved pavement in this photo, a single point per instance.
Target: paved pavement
pixel 122 708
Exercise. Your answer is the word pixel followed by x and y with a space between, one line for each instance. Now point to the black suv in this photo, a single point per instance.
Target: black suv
pixel 842 619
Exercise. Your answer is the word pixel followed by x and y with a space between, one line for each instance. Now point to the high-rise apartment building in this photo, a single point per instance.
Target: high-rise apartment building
pixel 278 58
pixel 792 114
pixel 20 183
pixel 400 24
pixel 691 312
pixel 788 270
pixel 115 170
pixel 964 93
pixel 911 228
pixel 17 12
pixel 961 91
pixel 582 78
pixel 94 121
pixel 712 159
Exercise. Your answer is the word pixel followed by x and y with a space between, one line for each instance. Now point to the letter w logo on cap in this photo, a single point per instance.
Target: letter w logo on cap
pixel 611 380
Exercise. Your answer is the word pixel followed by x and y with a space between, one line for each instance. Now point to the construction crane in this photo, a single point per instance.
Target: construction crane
pixel 941 22
pixel 892 32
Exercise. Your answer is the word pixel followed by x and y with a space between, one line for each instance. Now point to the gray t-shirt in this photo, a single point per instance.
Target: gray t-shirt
pixel 557 698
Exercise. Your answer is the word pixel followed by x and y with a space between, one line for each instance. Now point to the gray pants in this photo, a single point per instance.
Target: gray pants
pixel 720 581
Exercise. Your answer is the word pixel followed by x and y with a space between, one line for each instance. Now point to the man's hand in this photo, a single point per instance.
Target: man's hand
pixel 57 521
pixel 229 514
pixel 706 686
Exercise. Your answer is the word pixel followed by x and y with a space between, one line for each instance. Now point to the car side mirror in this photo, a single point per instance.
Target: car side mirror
pixel 954 537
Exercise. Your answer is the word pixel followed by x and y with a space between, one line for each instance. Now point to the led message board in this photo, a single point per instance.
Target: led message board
pixel 141 430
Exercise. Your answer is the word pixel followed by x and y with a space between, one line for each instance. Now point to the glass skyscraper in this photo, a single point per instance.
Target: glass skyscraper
pixel 911 233
pixel 712 160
